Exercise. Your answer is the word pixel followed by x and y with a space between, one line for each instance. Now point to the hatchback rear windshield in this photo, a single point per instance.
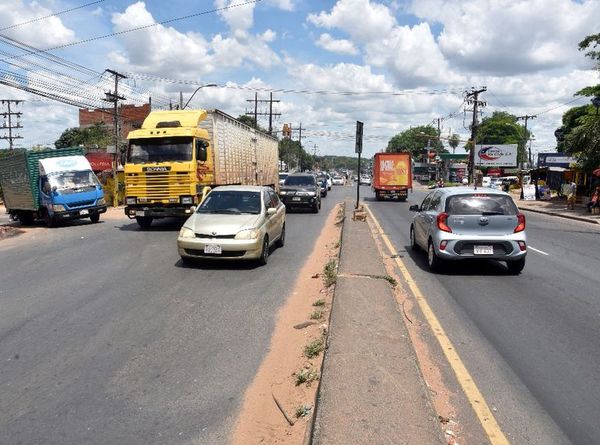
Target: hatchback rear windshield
pixel 300 180
pixel 480 204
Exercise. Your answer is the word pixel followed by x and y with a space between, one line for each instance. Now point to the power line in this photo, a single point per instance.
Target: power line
pixel 64 11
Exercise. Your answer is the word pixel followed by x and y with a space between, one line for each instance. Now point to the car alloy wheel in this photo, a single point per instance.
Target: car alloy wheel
pixel 413 242
pixel 433 261
pixel 281 240
pixel 264 255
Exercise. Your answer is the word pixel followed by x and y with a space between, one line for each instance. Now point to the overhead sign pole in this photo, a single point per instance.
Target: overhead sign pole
pixel 358 149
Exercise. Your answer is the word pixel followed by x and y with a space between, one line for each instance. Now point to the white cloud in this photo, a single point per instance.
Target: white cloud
pixel 341 46
pixel 363 20
pixel 238 18
pixel 286 5
pixel 51 32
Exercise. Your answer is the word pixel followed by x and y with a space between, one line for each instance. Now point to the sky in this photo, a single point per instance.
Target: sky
pixel 391 64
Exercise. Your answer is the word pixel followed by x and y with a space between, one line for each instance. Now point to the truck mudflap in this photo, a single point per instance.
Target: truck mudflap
pixel 77 214
pixel 153 212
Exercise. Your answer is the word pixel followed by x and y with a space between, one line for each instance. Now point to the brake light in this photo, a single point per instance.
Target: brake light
pixel 521 223
pixel 441 222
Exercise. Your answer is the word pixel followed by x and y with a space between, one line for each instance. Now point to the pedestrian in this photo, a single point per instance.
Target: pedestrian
pixel 571 196
pixel 594 200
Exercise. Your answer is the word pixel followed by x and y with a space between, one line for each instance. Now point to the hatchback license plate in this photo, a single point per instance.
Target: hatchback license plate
pixel 483 250
pixel 214 249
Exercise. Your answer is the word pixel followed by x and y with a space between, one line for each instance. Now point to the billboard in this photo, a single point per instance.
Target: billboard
pixel 496 155
pixel 555 160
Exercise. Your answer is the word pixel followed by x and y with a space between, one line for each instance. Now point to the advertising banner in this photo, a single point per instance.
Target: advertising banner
pixel 394 170
pixel 555 160
pixel 496 155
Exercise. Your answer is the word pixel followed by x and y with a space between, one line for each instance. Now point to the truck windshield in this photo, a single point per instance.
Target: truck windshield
pixel 73 180
pixel 176 149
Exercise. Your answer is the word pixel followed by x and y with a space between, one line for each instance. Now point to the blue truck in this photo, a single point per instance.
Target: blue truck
pixel 53 185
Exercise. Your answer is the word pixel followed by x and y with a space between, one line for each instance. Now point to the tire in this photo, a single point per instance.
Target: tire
pixel 515 267
pixel 144 221
pixel 94 217
pixel 50 221
pixel 378 197
pixel 187 261
pixel 315 208
pixel 433 261
pixel 281 241
pixel 26 218
pixel 264 254
pixel 413 243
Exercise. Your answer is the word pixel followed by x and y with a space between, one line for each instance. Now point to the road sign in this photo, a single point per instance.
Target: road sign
pixel 359 137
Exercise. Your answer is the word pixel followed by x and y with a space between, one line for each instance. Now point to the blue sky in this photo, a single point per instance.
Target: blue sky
pixel 422 54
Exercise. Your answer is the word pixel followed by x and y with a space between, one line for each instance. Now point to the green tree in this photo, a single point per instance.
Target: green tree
pixel 454 141
pixel 502 128
pixel 295 157
pixel 98 134
pixel 415 140
pixel 249 120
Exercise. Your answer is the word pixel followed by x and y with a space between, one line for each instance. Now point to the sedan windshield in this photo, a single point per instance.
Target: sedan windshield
pixel 176 149
pixel 481 204
pixel 300 180
pixel 234 202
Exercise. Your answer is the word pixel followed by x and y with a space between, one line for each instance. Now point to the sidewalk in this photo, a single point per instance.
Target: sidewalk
pixel 371 389
pixel 557 208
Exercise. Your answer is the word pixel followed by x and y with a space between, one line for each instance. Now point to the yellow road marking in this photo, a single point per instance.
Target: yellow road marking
pixel 480 406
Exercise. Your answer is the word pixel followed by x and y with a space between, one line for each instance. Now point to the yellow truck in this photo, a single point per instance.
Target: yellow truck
pixel 178 155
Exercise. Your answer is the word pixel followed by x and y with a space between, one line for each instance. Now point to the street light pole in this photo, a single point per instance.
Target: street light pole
pixel 198 89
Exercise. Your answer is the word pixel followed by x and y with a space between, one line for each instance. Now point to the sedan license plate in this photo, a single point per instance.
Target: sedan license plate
pixel 84 212
pixel 483 250
pixel 296 198
pixel 214 249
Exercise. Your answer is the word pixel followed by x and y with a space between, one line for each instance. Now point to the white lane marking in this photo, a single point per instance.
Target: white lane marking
pixel 538 251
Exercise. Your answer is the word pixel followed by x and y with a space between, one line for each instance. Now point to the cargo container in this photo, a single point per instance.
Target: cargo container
pixel 177 156
pixel 55 185
pixel 392 175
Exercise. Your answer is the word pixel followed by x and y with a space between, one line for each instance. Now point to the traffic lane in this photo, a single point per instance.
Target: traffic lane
pixel 106 338
pixel 483 327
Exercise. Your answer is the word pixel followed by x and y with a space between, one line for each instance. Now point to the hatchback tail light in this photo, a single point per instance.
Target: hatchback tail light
pixel 520 223
pixel 522 246
pixel 441 222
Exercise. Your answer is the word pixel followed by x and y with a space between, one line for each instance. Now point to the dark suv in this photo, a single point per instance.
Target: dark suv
pixel 301 190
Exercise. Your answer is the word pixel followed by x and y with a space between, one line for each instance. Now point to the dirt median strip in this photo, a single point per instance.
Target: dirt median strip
pixel 280 401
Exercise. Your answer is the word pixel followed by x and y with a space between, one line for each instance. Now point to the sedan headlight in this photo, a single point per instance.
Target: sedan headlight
pixel 247 234
pixel 58 208
pixel 186 233
pixel 101 202
pixel 282 192
pixel 131 200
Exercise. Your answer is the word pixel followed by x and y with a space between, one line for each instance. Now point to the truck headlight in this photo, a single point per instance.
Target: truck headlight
pixel 58 208
pixel 187 199
pixel 101 202
pixel 131 200
pixel 247 234
pixel 186 233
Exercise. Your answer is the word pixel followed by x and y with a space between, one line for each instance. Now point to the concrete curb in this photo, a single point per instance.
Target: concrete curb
pixel 573 217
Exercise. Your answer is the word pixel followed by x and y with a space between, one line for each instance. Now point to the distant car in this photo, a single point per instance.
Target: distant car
pixel 365 180
pixel 486 181
pixel 234 223
pixel 282 176
pixel 338 180
pixel 301 190
pixel 460 223
pixel 323 182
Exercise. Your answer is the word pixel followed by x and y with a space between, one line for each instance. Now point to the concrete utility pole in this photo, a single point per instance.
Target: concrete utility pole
pixel 525 138
pixel 10 127
pixel 472 98
pixel 270 113
pixel 114 98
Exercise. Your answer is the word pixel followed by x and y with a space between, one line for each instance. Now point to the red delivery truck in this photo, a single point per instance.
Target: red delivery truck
pixel 392 175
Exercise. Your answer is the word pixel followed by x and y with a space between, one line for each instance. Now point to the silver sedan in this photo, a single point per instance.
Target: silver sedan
pixel 234 223
pixel 459 223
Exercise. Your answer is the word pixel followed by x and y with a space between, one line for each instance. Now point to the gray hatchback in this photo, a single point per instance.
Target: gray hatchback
pixel 464 223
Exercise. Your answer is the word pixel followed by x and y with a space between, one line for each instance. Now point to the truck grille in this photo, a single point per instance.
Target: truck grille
pixel 158 186
pixel 77 204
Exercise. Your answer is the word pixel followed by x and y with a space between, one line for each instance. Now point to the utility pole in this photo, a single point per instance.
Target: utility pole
pixel 10 127
pixel 270 113
pixel 114 98
pixel 472 98
pixel 525 138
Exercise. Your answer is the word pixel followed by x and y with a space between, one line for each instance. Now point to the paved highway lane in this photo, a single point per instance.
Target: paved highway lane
pixel 106 338
pixel 530 341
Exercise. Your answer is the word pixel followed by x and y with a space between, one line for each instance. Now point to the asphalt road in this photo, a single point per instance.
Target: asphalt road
pixel 106 338
pixel 530 341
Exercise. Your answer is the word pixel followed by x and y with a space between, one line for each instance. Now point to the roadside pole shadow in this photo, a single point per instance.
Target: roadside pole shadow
pixel 160 225
pixel 468 267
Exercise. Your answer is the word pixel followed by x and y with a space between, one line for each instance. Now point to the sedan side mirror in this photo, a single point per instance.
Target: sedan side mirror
pixel 271 211
pixel 414 208
pixel 193 208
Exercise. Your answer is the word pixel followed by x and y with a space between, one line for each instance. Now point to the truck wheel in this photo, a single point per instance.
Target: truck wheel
pixel 144 221
pixel 26 218
pixel 94 217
